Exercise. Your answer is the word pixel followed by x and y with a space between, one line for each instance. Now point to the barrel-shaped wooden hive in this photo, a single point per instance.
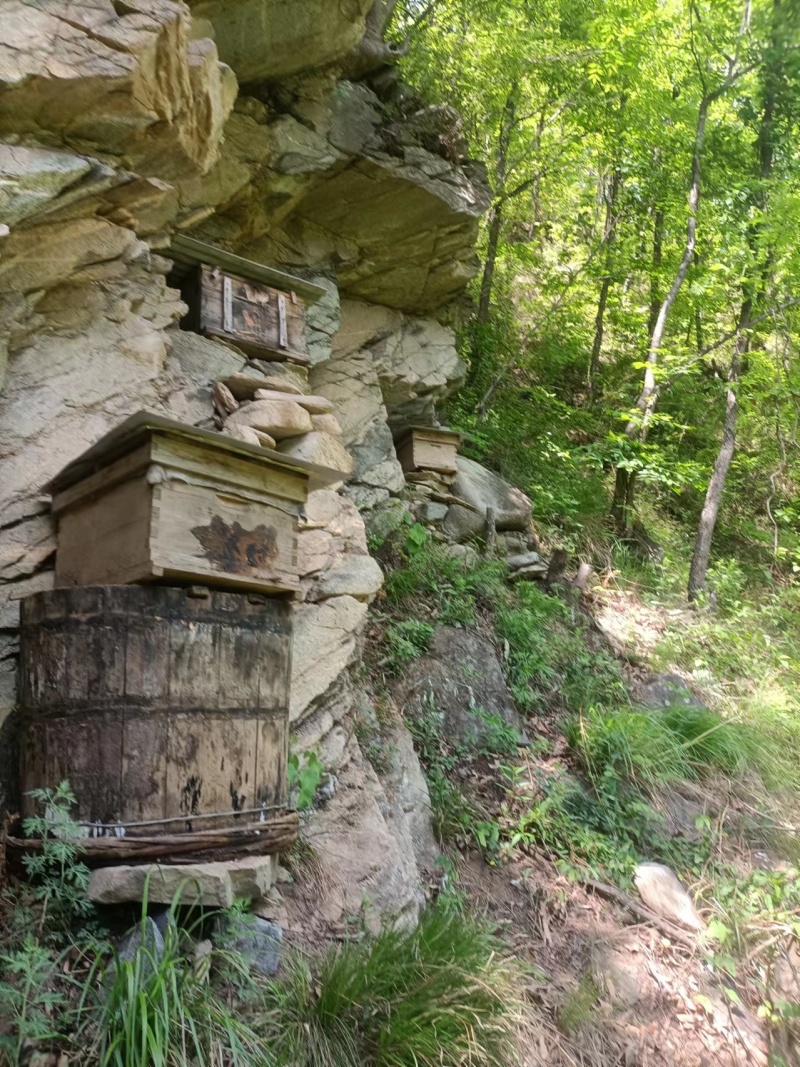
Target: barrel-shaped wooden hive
pixel 157 704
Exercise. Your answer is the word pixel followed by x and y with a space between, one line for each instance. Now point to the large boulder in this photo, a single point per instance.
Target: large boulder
pixel 461 678
pixel 124 79
pixel 269 39
pixel 368 860
pixel 483 489
pixel 324 645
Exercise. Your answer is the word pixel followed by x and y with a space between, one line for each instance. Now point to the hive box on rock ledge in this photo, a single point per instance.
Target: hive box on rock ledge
pixel 258 308
pixel 155 500
pixel 428 448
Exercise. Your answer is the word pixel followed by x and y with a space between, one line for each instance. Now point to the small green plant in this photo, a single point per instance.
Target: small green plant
pixel 442 993
pixel 406 641
pixel 304 773
pixel 31 1002
pixel 60 880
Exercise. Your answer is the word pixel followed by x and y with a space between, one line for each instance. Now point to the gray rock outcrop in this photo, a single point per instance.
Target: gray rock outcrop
pixel 483 489
pixel 459 677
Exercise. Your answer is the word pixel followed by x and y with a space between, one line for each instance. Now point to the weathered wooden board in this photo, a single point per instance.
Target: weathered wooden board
pixel 155 702
pixel 426 448
pixel 265 322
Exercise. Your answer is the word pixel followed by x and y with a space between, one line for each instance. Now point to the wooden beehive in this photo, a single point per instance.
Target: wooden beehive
pixel 156 500
pixel 428 448
pixel 265 322
pixel 157 703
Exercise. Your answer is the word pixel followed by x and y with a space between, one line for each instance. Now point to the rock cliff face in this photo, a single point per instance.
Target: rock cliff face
pixel 124 123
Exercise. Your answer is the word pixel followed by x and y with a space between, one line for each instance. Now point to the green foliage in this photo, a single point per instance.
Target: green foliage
pixel 635 745
pixel 548 657
pixel 442 993
pixel 428 572
pixel 160 1010
pixel 31 1002
pixel 407 640
pixel 60 880
pixel 304 773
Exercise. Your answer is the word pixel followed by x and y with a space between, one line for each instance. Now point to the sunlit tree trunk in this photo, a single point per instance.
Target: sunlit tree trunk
pixel 609 225
pixel 754 288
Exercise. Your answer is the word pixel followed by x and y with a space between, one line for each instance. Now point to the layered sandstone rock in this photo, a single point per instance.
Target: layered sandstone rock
pixel 120 125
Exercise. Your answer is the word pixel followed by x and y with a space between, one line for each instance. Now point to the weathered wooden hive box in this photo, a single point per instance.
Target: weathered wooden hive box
pixel 260 309
pixel 166 708
pixel 155 500
pixel 428 448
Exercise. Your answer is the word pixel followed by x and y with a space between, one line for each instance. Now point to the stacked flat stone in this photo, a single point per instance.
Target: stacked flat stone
pixel 276 411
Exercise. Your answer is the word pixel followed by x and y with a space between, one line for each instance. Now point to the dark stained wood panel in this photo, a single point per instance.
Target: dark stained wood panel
pixel 156 702
pixel 266 323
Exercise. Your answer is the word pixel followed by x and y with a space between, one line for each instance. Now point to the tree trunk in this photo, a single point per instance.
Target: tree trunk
pixel 605 286
pixel 624 492
pixel 487 280
pixel 753 287
pixel 716 486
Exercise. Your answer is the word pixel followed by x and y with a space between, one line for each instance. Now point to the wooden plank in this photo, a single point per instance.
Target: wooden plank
pixel 144 425
pixel 273 755
pixel 105 478
pixel 216 536
pixel 254 316
pixel 256 477
pixel 189 249
pixel 106 539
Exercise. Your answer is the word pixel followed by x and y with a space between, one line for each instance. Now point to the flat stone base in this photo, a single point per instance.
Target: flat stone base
pixel 210 884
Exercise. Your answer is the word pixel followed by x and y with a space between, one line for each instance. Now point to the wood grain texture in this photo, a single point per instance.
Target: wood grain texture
pixel 259 319
pixel 428 449
pixel 156 702
pixel 179 510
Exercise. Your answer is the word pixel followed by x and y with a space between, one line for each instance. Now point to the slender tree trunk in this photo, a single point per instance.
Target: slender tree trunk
pixel 624 490
pixel 487 280
pixel 658 256
pixel 609 226
pixel 722 464
pixel 754 287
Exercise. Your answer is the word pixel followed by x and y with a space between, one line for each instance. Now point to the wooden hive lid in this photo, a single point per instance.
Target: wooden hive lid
pixel 435 433
pixel 189 250
pixel 140 427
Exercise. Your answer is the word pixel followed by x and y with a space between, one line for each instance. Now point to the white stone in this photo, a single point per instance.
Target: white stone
pixel 661 891
pixel 321 448
pixel 357 576
pixel 284 379
pixel 327 424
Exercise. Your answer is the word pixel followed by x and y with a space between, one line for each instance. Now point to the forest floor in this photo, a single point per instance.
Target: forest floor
pixel 543 841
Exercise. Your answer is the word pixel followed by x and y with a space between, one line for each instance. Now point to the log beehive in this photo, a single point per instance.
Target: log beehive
pixel 157 704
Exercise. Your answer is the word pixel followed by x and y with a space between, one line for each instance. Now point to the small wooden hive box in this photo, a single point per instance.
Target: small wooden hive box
pixel 262 321
pixel 156 500
pixel 260 309
pixel 428 448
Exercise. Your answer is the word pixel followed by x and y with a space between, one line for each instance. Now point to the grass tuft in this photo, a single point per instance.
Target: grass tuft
pixel 440 994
